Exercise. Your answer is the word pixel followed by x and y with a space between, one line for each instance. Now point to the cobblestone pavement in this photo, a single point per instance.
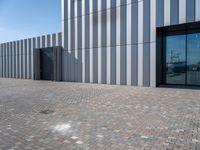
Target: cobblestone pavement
pixel 41 115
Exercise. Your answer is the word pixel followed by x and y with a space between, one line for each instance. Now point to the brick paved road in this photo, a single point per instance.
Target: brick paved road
pixel 97 117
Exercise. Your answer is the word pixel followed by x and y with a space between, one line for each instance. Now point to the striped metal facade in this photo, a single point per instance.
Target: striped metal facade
pixel 114 41
pixel 16 58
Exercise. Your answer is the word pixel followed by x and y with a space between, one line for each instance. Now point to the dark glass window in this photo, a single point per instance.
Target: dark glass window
pixel 175 59
pixel 193 59
pixel 182 59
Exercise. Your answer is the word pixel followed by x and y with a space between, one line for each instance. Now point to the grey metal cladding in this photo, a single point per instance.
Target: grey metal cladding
pixel 16 58
pixel 134 20
pixel 146 64
pixel 134 64
pixel 122 24
pixel 174 9
pixel 190 10
pixel 95 30
pixel 123 65
pixel 87 65
pixel 113 26
pixel 146 20
pixel 113 65
pixel 95 65
pixel 104 64
pixel 159 13
pixel 103 29
pixel 79 32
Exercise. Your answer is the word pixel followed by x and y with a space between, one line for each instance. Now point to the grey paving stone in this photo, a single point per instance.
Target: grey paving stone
pixel 96 117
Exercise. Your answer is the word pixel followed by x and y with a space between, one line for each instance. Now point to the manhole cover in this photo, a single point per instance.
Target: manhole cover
pixel 48 111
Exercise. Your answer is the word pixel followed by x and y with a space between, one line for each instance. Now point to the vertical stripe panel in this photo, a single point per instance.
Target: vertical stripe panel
pixel 146 41
pixel 174 9
pixel 7 60
pixel 91 41
pixel 166 12
pixel 3 60
pixel 13 59
pixel 17 59
pixel 128 34
pixel 28 58
pixel 103 42
pixel 99 43
pixel 108 26
pixel 76 41
pixel 182 11
pixel 118 23
pixel 197 9
pixel 48 41
pixel 134 24
pixel 140 43
pixel 87 42
pixel 33 46
pixel 146 64
pixel 95 41
pixel 72 36
pixel 24 58
pixel 190 10
pixel 79 41
pixel 83 41
pixel 159 13
pixel 69 40
pixel 123 43
pixel 21 59
pixel 152 44
pixel 113 58
pixel 10 60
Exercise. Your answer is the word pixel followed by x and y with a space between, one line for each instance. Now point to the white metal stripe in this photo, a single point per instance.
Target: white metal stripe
pixel 128 34
pixel 20 59
pixel 69 26
pixel 24 58
pixel 10 59
pixel 7 60
pixel 108 41
pixel 166 12
pixel 63 9
pixel 76 31
pixel 28 58
pixel 13 59
pixel 32 55
pixel 99 42
pixel 17 59
pixel 182 11
pixel 83 41
pixel 197 9
pixel 118 42
pixel 140 41
pixel 153 45
pixel 91 41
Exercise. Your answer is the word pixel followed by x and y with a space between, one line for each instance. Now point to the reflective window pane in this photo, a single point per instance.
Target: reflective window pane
pixel 175 48
pixel 193 59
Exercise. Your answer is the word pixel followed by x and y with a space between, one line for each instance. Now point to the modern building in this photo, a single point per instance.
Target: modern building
pixel 126 42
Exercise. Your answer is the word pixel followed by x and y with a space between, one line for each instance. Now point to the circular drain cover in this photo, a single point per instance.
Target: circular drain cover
pixel 47 111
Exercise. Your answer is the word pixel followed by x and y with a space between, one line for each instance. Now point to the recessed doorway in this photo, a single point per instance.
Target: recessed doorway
pixel 47 63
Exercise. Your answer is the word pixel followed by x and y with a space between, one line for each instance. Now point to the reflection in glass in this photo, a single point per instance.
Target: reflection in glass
pixel 175 59
pixel 193 59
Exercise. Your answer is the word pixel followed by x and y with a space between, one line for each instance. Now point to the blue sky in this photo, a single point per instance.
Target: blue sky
pixel 21 19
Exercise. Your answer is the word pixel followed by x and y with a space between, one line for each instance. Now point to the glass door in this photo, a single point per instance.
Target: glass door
pixel 175 59
pixel 193 59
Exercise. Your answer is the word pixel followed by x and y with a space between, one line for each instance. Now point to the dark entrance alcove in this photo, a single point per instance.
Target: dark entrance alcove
pixel 47 63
